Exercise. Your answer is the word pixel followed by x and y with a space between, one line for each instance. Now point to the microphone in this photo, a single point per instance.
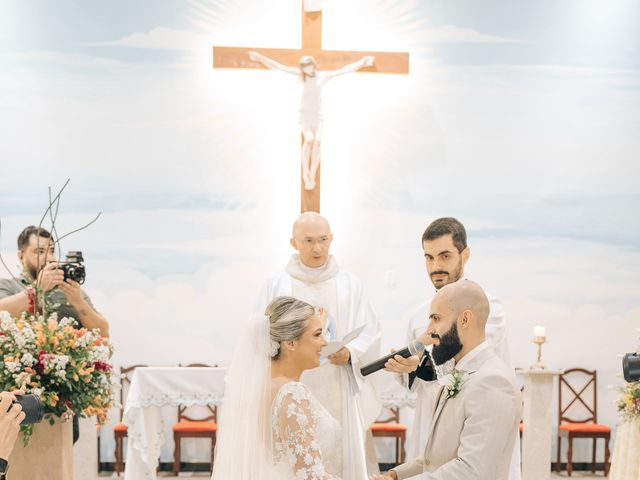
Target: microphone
pixel 414 348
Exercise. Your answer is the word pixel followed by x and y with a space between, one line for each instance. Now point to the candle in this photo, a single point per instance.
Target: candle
pixel 539 331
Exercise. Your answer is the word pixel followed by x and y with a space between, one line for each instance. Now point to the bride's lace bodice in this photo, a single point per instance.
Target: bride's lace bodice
pixel 307 439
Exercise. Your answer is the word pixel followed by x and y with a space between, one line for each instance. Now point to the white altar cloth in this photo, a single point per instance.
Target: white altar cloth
pixel 153 388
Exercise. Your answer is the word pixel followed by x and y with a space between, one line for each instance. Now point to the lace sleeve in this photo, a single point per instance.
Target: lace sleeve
pixel 298 431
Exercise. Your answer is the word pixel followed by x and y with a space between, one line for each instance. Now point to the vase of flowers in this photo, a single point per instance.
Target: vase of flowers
pixel 69 369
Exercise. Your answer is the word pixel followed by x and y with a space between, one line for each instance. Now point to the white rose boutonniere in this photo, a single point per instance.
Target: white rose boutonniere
pixel 453 382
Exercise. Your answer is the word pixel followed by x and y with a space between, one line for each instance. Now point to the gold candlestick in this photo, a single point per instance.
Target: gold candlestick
pixel 539 340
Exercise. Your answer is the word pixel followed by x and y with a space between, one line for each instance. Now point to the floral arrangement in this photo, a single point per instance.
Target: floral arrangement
pixel 66 366
pixel 629 401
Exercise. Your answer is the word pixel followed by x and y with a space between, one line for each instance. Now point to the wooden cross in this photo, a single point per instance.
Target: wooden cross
pixel 238 57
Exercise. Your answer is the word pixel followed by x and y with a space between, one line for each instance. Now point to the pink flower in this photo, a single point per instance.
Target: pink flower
pixel 103 366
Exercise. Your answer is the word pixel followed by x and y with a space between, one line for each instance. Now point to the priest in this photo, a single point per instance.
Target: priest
pixel 313 275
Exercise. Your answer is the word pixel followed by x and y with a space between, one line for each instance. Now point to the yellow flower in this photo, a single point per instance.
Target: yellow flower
pixel 90 411
pixel 102 417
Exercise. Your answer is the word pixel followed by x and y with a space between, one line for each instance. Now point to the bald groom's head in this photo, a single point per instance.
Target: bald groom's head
pixel 458 318
pixel 466 295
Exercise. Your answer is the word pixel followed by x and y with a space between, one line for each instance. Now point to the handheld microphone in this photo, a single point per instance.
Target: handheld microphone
pixel 414 348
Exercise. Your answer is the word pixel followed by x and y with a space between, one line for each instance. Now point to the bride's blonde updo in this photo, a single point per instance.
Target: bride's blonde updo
pixel 288 319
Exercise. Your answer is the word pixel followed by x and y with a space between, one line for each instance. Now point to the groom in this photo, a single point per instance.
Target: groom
pixel 473 430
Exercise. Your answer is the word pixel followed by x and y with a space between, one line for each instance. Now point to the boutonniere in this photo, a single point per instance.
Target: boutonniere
pixel 453 382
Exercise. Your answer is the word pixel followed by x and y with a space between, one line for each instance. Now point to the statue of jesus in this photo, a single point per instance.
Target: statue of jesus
pixel 310 119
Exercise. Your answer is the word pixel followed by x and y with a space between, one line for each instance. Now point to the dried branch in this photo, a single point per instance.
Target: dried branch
pixel 81 228
pixel 51 203
pixel 57 197
pixel 54 232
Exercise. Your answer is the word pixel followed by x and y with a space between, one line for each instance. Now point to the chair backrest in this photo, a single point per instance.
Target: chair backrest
pixel 581 395
pixel 212 417
pixel 125 382
pixel 393 418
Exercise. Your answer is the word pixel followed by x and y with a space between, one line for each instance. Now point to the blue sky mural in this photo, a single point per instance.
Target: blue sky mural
pixel 520 118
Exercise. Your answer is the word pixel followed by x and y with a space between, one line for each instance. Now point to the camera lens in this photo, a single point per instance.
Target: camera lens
pixel 32 408
pixel 74 272
pixel 631 367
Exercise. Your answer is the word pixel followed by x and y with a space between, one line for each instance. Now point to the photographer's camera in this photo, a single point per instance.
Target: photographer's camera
pixel 31 406
pixel 631 367
pixel 73 267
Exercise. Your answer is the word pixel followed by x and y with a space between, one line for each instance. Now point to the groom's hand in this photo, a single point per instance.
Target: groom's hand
pixel 341 357
pixel 399 364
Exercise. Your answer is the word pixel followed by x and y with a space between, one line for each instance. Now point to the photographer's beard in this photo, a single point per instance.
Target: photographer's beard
pixel 30 271
pixel 449 346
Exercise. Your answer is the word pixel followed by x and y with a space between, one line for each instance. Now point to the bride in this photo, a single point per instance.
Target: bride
pixel 271 427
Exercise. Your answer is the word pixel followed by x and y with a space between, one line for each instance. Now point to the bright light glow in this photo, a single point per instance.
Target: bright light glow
pixel 255 112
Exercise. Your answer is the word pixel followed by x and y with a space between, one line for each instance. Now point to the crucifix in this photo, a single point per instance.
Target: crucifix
pixel 304 62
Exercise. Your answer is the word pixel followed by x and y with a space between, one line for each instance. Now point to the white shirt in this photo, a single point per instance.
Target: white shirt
pixel 471 355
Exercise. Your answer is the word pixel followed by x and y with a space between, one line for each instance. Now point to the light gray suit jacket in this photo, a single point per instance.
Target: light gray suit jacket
pixel 472 434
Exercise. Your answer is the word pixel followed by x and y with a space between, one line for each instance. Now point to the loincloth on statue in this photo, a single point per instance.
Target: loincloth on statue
pixel 310 120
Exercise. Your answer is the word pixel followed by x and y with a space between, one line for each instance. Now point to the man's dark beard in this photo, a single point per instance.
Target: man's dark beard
pixel 449 346
pixel 457 273
pixel 32 272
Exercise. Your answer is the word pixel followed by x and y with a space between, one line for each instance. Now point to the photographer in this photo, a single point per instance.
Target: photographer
pixel 36 252
pixel 11 415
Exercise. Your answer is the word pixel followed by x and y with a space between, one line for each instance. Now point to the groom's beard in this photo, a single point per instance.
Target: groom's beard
pixel 449 346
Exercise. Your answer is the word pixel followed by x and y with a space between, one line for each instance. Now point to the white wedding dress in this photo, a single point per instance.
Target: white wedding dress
pixel 289 437
pixel 307 439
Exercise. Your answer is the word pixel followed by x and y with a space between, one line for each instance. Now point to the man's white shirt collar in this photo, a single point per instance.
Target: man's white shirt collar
pixel 464 361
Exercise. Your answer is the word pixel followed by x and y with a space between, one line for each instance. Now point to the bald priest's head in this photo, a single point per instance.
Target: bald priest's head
pixel 312 238
pixel 458 317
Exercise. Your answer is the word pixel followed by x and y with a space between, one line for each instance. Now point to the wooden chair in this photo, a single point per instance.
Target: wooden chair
pixel 587 427
pixel 120 429
pixel 188 427
pixel 391 427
